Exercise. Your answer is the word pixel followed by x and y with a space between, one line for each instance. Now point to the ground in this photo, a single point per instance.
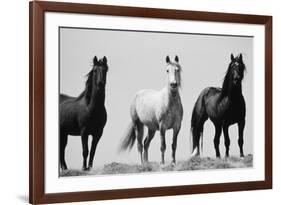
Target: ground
pixel 195 163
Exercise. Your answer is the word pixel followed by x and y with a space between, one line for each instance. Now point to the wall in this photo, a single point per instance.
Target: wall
pixel 14 99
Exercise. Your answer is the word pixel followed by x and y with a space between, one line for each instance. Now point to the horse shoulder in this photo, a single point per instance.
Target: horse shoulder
pixel 102 116
pixel 161 105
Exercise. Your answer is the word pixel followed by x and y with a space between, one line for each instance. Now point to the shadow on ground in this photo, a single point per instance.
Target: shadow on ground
pixel 195 163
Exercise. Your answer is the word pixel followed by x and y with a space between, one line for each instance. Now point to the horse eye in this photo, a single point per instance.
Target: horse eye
pixel 167 71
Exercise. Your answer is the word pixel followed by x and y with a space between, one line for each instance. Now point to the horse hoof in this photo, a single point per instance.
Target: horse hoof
pixel 85 169
pixel 195 155
pixel 162 166
pixel 173 164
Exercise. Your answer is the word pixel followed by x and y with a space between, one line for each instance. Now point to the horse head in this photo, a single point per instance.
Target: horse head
pixel 234 75
pixel 236 70
pixel 100 69
pixel 174 73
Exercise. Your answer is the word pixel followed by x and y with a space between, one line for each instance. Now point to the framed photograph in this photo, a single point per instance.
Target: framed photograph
pixel 139 102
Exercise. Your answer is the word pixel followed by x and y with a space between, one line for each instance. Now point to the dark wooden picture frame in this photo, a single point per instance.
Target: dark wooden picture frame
pixel 37 96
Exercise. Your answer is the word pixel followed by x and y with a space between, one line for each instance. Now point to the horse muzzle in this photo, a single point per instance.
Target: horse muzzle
pixel 173 85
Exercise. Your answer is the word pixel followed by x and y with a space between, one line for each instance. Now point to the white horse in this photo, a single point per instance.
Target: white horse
pixel 157 110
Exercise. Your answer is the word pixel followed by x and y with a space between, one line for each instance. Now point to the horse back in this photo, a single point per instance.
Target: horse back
pixel 64 97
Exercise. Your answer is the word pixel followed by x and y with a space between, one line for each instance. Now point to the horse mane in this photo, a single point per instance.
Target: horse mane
pixel 180 78
pixel 88 89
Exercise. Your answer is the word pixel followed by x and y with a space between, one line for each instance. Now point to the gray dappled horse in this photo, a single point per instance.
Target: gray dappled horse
pixel 157 110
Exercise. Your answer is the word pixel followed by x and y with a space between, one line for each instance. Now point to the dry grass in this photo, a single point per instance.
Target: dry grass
pixel 195 163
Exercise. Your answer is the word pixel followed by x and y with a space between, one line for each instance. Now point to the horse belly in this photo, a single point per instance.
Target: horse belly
pixel 70 126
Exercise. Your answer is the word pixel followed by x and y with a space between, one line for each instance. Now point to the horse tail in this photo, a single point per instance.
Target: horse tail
pixel 129 137
pixel 130 134
pixel 202 142
pixel 190 142
pixel 199 116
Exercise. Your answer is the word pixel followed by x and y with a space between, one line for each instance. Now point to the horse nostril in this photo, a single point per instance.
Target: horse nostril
pixel 174 84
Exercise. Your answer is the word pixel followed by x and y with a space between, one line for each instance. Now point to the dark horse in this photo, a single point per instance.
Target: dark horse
pixel 224 106
pixel 86 114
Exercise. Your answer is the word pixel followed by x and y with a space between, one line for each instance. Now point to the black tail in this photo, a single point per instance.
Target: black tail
pixel 198 119
pixel 129 138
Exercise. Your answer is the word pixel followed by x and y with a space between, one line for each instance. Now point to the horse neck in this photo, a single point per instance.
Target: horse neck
pixel 232 92
pixel 97 98
pixel 171 96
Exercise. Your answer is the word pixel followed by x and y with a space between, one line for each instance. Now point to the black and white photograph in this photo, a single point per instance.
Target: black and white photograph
pixel 129 102
pixel 151 102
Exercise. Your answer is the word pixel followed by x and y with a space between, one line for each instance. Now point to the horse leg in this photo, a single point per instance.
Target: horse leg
pixel 147 141
pixel 63 143
pixel 139 138
pixel 163 145
pixel 217 139
pixel 84 137
pixel 174 144
pixel 226 140
pixel 95 139
pixel 241 126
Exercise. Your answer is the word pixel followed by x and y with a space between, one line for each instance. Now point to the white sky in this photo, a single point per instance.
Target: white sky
pixel 137 61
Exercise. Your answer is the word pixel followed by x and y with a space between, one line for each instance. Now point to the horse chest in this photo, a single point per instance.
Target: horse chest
pixel 95 119
pixel 235 112
pixel 172 116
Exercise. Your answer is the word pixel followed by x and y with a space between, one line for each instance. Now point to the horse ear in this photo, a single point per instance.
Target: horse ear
pixel 104 59
pixel 240 57
pixel 232 57
pixel 167 59
pixel 177 59
pixel 95 61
